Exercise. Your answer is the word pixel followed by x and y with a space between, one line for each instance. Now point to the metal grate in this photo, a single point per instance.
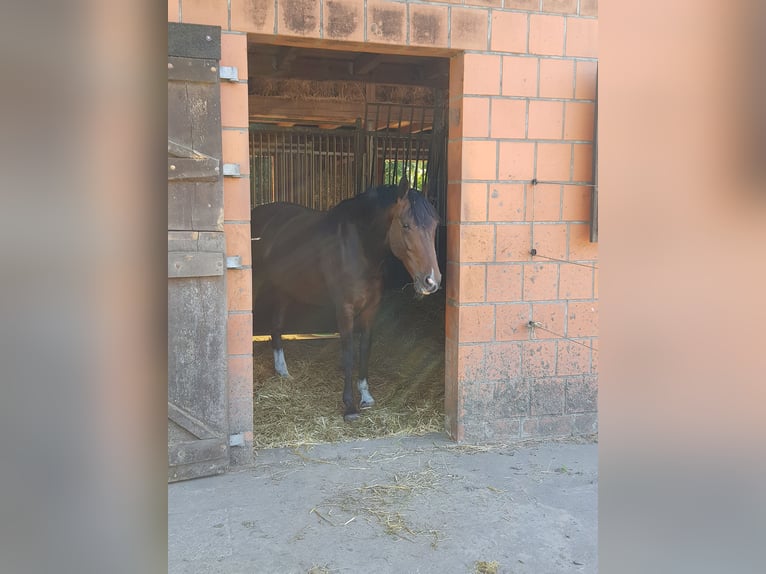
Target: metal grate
pixel 312 167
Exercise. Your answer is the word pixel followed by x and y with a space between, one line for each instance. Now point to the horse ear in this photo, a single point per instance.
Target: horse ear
pixel 404 187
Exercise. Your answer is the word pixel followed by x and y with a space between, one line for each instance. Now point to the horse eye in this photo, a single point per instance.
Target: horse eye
pixel 405 225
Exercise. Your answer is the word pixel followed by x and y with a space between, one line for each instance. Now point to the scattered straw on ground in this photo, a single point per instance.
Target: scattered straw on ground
pixel 406 379
pixel 383 503
pixel 483 567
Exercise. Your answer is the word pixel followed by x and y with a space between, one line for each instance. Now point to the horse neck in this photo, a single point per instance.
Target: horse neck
pixel 372 223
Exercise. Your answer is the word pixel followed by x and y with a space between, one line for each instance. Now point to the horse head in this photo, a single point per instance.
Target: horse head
pixel 411 237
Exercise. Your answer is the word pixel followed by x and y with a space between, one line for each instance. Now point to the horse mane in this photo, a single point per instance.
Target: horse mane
pixel 423 212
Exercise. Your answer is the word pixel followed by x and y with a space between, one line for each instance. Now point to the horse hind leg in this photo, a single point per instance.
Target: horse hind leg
pixel 277 323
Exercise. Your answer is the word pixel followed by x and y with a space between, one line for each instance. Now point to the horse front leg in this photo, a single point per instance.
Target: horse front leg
pixel 345 317
pixel 366 318
pixel 277 324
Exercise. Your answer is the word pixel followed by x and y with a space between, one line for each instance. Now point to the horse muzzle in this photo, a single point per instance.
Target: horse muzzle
pixel 428 284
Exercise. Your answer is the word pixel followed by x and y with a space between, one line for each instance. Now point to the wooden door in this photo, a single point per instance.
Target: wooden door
pixel 197 393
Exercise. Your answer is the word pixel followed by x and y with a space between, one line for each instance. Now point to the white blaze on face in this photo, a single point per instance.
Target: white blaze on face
pixel 367 400
pixel 279 363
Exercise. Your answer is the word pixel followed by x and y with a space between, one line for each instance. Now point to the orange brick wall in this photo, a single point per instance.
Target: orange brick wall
pixel 522 101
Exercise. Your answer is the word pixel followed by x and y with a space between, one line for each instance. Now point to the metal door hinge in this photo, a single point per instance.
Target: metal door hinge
pixel 237 439
pixel 231 170
pixel 229 73
pixel 234 262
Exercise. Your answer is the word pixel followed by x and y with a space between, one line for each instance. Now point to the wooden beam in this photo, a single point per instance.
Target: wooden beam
pixel 304 111
pixel 365 63
pixel 339 70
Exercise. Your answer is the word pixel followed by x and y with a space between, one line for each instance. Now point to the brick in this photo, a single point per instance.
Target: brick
pixel 508 118
pixel 476 243
pixel 582 319
pixel 576 203
pixel 471 283
pixel 469 29
pixel 240 377
pixel 580 247
pixel 454 160
pixel 234 105
pixel 503 283
pixel 595 283
pixel 451 280
pixel 453 242
pixel 236 199
pixel 476 323
pixel 575 282
pixel 239 334
pixel 541 281
pixel 513 242
pixel 495 3
pixel 503 362
pixel 481 74
pixel 585 423
pixel 556 78
pixel 473 202
pixel 553 318
pixel 573 359
pixel 239 290
pixel 456 77
pixel 506 202
pixel 238 241
pixel 453 202
pixel 240 414
pixel 343 20
pixel 206 12
pixel 479 159
pixel 560 6
pixel 429 25
pixel 582 37
pixel 546 35
pixel 531 5
pixel 475 117
pixel 546 120
pixel 581 394
pixel 451 322
pixel 386 22
pixel 549 426
pixel 550 240
pixel 583 162
pixel 579 121
pixel 509 32
pixel 547 397
pixel 519 76
pixel 174 7
pixel 516 161
pixel 554 161
pixel 236 149
pixel 298 18
pixel 594 356
pixel 471 362
pixel 588 7
pixel 585 80
pixel 253 16
pixel 234 53
pixel 545 199
pixel 538 358
pixel 512 322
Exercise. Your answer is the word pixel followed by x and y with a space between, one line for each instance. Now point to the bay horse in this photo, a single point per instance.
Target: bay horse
pixel 338 256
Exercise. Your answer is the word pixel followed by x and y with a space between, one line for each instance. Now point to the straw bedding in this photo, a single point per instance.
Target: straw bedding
pixel 406 379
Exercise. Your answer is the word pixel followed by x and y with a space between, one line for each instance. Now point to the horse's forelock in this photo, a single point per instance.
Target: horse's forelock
pixel 423 213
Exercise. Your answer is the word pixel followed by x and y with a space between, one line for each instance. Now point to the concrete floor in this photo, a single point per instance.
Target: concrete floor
pixel 409 505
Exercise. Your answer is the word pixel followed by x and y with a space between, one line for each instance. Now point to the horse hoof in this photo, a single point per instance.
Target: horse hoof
pixel 350 417
pixel 366 404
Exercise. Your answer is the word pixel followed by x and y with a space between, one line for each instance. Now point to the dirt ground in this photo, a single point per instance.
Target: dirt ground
pixel 393 505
